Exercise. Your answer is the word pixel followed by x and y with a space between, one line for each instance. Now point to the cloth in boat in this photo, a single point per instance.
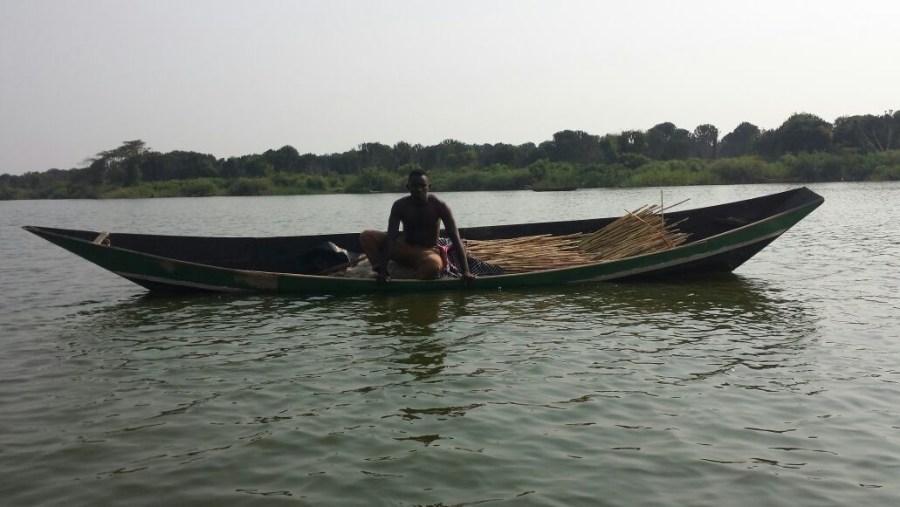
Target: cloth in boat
pixel 451 262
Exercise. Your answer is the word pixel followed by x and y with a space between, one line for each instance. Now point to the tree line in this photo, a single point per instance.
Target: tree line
pixel 805 148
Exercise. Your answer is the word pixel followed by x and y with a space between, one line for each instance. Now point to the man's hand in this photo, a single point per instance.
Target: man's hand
pixel 467 277
pixel 383 276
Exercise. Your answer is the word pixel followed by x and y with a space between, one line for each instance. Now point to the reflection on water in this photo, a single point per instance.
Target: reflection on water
pixel 404 315
pixel 662 315
pixel 726 328
pixel 723 305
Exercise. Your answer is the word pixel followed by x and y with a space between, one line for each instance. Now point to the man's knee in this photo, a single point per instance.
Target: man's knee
pixel 429 268
pixel 371 240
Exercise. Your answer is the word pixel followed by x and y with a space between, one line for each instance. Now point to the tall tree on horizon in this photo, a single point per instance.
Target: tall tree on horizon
pixel 740 141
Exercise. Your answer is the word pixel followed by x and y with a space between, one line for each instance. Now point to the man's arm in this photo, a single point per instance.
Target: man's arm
pixel 453 232
pixel 393 233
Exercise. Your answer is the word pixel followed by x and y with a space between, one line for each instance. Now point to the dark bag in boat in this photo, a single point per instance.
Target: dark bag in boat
pixel 322 257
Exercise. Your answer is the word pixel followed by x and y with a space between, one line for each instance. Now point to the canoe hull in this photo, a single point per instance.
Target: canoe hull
pixel 161 271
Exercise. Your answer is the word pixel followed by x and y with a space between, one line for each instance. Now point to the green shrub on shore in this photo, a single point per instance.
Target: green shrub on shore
pixel 672 173
pixel 199 187
pixel 494 177
pixel 250 186
pixel 883 166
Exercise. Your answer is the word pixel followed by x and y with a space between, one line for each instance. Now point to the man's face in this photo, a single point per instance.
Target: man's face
pixel 418 188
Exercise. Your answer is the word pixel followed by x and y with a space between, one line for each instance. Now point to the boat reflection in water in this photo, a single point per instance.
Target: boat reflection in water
pixel 682 311
pixel 399 368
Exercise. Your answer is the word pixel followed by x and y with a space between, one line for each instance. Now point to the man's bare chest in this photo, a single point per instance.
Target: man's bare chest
pixel 420 220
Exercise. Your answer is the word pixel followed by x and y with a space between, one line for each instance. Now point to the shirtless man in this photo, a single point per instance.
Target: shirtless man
pixel 421 215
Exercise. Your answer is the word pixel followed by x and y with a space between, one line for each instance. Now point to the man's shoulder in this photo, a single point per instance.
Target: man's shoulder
pixel 436 202
pixel 407 204
pixel 442 207
pixel 403 202
pixel 404 206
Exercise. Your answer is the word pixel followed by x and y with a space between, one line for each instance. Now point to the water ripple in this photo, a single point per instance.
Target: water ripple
pixel 778 384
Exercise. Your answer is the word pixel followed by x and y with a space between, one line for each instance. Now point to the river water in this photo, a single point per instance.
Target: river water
pixel 779 385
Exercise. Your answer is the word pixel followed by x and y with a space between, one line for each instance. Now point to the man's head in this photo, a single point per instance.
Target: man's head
pixel 418 185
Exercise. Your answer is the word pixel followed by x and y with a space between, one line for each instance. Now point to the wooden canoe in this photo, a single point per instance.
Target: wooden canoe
pixel 722 237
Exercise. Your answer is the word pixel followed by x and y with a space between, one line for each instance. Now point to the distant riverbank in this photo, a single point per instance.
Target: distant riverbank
pixel 630 172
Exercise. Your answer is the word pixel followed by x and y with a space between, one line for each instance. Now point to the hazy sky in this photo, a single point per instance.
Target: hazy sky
pixel 240 77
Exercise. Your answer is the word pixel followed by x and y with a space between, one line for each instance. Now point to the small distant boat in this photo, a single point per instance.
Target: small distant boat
pixel 552 189
pixel 721 238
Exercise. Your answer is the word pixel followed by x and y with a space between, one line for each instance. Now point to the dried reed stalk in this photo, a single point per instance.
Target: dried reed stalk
pixel 637 232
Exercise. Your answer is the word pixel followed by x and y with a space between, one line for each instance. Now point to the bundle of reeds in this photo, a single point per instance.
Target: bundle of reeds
pixel 530 253
pixel 641 231
pixel 637 232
